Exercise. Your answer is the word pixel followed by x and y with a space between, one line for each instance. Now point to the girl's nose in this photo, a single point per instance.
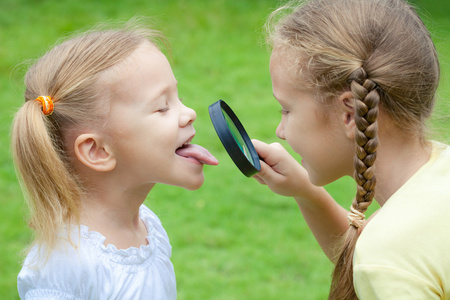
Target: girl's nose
pixel 188 116
pixel 280 131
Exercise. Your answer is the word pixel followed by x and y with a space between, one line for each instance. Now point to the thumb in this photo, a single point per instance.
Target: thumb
pixel 270 154
pixel 267 173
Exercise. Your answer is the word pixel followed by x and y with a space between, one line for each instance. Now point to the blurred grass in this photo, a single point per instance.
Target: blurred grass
pixel 232 239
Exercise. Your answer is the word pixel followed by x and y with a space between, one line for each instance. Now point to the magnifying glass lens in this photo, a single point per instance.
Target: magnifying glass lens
pixel 237 136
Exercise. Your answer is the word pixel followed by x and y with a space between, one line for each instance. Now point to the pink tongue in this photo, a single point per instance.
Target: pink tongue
pixel 197 152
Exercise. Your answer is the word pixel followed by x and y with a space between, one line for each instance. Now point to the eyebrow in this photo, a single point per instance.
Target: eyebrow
pixel 165 90
pixel 161 92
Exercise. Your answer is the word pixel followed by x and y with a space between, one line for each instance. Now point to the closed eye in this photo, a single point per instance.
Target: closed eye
pixel 163 109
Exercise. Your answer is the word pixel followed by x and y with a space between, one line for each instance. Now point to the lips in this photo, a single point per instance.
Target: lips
pixel 196 152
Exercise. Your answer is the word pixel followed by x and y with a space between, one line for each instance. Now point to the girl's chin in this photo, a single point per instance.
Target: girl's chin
pixel 193 182
pixel 194 186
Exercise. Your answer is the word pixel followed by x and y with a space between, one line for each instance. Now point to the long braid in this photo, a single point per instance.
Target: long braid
pixel 367 99
pixel 366 113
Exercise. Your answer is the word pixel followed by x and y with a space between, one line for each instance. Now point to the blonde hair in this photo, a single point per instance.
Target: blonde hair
pixel 382 52
pixel 69 73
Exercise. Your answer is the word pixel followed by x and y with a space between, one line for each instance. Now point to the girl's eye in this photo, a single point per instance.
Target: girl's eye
pixel 164 109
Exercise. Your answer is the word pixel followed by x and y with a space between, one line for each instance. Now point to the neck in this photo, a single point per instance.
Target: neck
pixel 398 159
pixel 113 211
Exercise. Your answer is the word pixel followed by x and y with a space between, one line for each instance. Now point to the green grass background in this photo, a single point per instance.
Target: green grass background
pixel 233 238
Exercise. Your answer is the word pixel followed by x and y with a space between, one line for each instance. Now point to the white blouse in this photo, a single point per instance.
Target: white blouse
pixel 96 271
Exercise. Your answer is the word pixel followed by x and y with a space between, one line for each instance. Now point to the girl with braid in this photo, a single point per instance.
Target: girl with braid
pixel 356 80
pixel 101 124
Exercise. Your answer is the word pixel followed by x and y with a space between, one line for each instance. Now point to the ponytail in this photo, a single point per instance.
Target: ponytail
pixel 52 194
pixel 367 99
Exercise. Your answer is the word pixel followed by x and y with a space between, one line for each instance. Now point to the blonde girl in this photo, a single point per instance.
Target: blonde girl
pixel 101 125
pixel 356 80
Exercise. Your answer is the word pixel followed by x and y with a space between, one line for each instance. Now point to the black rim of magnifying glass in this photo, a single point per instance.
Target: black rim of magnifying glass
pixel 231 146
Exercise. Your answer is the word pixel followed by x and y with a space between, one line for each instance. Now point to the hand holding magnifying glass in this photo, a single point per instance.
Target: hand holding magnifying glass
pixel 234 138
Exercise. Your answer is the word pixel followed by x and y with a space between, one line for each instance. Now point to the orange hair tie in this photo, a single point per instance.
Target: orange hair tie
pixel 47 104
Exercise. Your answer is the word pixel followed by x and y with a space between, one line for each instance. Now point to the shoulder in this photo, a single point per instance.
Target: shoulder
pixel 56 276
pixel 147 213
pixel 433 177
pixel 420 207
pixel 406 242
pixel 151 221
pixel 156 232
pixel 438 167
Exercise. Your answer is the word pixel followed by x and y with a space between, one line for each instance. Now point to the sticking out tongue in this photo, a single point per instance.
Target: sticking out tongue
pixel 197 152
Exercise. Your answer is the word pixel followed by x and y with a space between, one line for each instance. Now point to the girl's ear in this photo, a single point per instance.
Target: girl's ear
pixel 92 153
pixel 347 104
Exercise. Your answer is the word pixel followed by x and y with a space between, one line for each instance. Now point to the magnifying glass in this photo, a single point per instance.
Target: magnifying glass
pixel 234 138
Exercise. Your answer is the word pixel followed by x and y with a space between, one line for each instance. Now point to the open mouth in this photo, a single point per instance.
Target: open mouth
pixel 196 152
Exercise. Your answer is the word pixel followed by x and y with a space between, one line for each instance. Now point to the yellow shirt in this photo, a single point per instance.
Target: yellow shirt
pixel 404 251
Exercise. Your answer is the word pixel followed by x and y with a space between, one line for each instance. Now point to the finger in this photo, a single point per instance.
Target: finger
pixel 261 147
pixel 259 179
pixel 268 173
pixel 270 154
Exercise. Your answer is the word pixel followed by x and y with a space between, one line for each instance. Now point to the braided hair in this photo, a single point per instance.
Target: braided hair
pixel 366 99
pixel 366 113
